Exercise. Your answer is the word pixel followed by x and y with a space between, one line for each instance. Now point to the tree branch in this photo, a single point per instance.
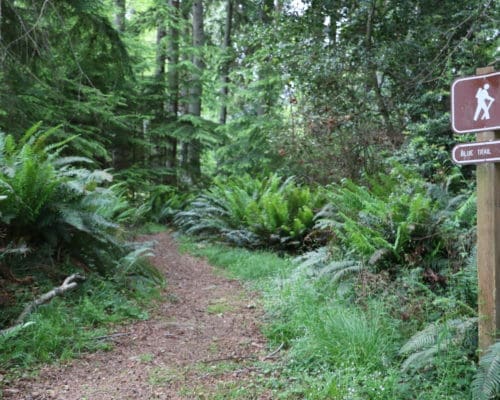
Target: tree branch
pixel 68 284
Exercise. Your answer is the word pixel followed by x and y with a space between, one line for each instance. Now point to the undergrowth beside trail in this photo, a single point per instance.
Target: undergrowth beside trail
pixel 343 339
pixel 61 215
pixel 248 265
pixel 75 323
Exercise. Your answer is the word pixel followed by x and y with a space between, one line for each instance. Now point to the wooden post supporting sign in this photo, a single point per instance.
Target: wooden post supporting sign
pixel 488 242
pixel 476 108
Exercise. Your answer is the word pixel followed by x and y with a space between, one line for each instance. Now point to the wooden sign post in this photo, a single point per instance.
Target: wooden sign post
pixel 488 242
pixel 476 108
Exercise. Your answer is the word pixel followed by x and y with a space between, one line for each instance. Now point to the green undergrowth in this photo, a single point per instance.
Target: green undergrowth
pixel 255 213
pixel 240 263
pixel 74 323
pixel 342 339
pixel 152 228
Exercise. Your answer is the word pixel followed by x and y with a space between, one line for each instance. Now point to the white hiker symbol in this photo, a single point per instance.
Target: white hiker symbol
pixel 484 102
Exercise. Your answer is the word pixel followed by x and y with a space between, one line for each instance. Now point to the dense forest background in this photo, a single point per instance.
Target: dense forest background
pixel 322 90
pixel 318 129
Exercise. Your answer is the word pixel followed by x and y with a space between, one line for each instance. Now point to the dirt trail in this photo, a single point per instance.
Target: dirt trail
pixel 203 339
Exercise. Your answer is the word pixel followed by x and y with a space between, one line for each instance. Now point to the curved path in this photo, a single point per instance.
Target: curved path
pixel 201 342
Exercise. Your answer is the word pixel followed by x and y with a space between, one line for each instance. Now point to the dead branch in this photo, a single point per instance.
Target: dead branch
pixel 112 336
pixel 68 284
pixel 273 354
pixel 13 330
pixel 229 358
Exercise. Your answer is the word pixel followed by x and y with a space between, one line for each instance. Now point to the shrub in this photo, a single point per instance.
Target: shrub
pixel 399 219
pixel 252 212
pixel 153 200
pixel 54 204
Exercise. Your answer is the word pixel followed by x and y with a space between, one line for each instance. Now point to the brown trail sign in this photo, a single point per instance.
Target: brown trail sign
pixel 475 103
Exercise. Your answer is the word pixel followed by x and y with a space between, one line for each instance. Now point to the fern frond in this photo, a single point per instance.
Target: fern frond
pixel 420 359
pixel 486 383
pixel 339 270
pixel 466 213
pixel 29 134
pixel 62 161
pixel 425 338
pixel 435 338
pixel 312 258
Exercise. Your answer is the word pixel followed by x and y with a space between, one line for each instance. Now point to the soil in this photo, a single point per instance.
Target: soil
pixel 201 342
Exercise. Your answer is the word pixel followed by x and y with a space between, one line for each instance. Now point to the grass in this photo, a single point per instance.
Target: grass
pixel 219 306
pixel 161 376
pixel 239 263
pixel 338 346
pixel 69 325
pixel 146 357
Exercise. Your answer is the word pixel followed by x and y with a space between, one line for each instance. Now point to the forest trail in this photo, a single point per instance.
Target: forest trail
pixel 202 339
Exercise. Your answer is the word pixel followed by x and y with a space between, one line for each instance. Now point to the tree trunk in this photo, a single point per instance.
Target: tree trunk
pixel 184 85
pixel 120 151
pixel 266 15
pixel 373 81
pixel 173 85
pixel 196 86
pixel 161 55
pixel 120 15
pixel 159 151
pixel 226 45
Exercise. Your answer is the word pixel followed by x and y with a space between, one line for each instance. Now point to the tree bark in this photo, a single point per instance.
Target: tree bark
pixel 159 151
pixel 161 55
pixel 184 85
pixel 120 15
pixel 119 152
pixel 226 45
pixel 266 17
pixel 372 79
pixel 196 86
pixel 173 84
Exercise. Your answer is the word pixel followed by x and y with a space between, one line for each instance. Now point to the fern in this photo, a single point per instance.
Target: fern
pixel 421 358
pixel 421 348
pixel 401 215
pixel 338 270
pixel 486 383
pixel 466 213
pixel 49 201
pixel 268 212
pixel 318 257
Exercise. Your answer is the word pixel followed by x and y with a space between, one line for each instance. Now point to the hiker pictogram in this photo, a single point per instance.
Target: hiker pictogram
pixel 484 102
pixel 475 103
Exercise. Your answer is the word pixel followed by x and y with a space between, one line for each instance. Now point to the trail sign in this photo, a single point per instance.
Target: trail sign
pixel 476 153
pixel 475 103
